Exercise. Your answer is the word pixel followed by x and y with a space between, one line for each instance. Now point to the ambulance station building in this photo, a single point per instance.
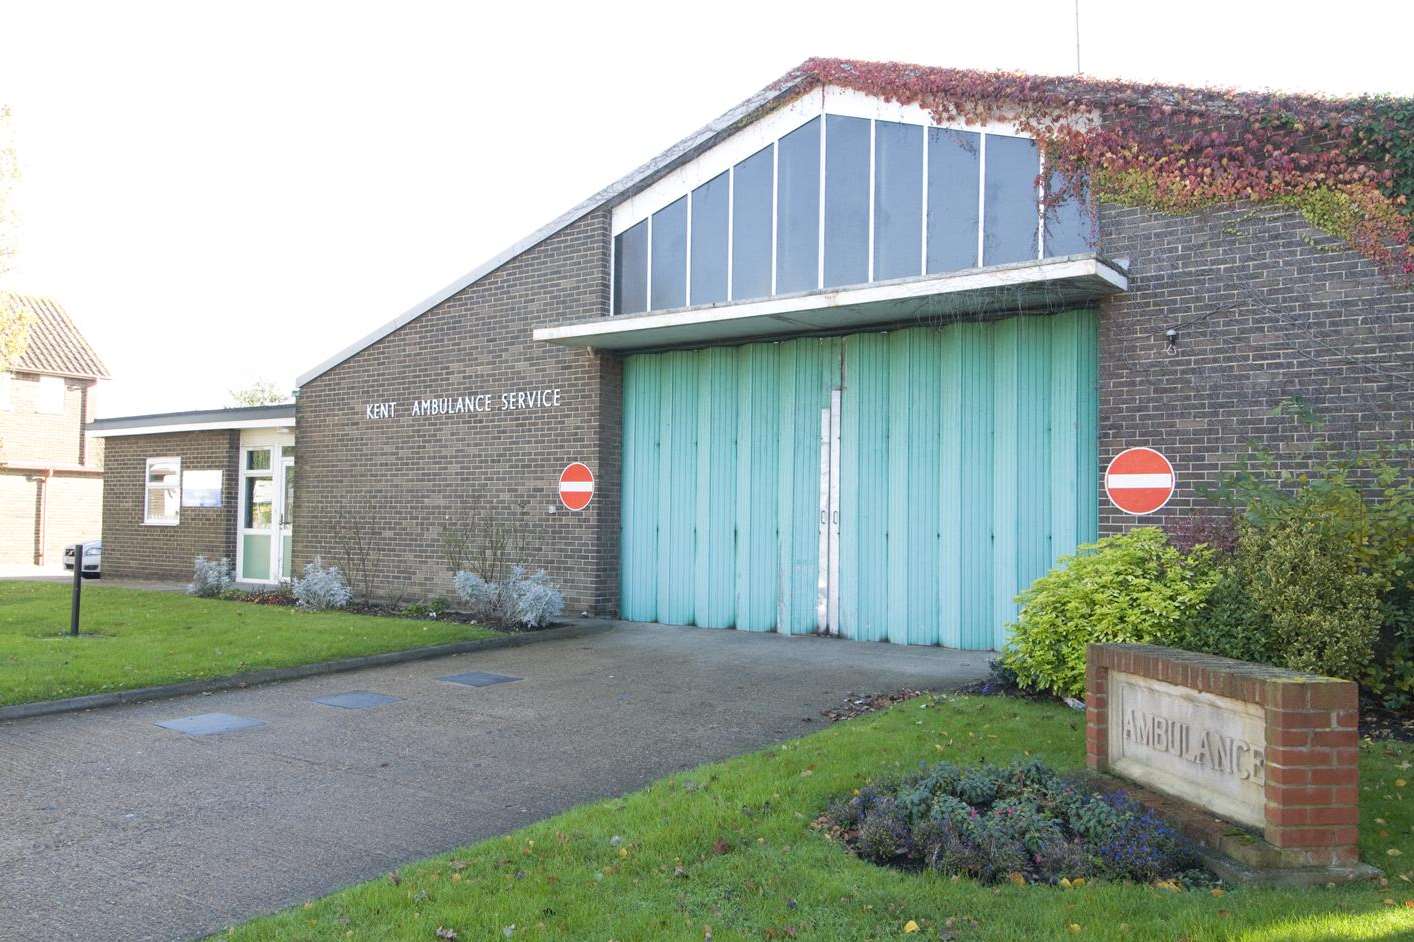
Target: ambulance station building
pixel 835 366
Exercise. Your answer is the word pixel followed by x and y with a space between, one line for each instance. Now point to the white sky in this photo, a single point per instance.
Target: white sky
pixel 221 193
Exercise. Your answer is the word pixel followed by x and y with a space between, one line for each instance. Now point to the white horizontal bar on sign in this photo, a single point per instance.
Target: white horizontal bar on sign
pixel 576 487
pixel 1130 481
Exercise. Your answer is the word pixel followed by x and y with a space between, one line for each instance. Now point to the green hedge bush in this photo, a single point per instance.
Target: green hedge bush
pixel 1133 587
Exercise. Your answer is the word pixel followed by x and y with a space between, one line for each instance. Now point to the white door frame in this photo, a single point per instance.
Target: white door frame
pixel 276 476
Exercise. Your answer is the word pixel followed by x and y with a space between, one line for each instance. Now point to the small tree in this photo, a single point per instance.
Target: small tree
pixel 258 393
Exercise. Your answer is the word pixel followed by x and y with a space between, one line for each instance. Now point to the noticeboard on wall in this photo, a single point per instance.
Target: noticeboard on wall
pixel 201 488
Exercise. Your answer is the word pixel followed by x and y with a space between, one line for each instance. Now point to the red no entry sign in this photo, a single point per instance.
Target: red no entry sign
pixel 1139 481
pixel 576 486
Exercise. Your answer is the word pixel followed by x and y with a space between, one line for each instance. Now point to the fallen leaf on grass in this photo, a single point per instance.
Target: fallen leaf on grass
pixel 910 926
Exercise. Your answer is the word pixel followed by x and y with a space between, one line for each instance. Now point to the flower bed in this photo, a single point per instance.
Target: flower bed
pixel 1023 822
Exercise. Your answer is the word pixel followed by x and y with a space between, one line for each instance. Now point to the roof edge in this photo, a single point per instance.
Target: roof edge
pixel 683 150
pixel 276 416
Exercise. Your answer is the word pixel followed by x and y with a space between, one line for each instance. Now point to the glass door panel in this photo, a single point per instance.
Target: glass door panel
pixel 257 551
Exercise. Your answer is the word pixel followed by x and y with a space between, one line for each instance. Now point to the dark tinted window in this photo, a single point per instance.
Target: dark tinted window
pixel 1069 230
pixel 798 209
pixel 954 175
pixel 898 200
pixel 709 241
pixel 1010 213
pixel 846 200
pixel 669 249
pixel 751 226
pixel 631 270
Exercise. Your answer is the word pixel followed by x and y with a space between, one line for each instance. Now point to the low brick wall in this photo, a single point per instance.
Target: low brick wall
pixel 1308 760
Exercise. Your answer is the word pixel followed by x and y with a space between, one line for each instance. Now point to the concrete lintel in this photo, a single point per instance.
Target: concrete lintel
pixel 1045 285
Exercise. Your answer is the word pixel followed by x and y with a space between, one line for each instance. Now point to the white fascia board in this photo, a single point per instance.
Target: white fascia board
pixel 191 427
pixel 683 150
pixel 782 310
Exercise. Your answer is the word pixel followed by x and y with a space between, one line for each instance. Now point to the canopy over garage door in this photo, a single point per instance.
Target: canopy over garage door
pixel 899 486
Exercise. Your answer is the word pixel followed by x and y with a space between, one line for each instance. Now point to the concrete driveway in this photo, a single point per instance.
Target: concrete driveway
pixel 113 827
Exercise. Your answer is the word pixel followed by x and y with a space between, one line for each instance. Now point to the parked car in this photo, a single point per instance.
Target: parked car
pixel 92 558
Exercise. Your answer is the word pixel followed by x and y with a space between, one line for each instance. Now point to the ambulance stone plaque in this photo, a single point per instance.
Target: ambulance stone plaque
pixel 1223 742
pixel 1205 749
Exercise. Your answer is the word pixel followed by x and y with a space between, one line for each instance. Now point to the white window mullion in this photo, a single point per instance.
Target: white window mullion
pixel 731 223
pixel 923 238
pixel 775 207
pixel 820 234
pixel 981 197
pixel 869 262
pixel 648 266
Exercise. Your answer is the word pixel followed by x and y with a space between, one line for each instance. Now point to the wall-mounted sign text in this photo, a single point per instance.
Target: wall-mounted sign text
pixel 508 401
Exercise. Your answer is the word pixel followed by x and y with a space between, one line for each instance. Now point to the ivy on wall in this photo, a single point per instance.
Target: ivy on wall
pixel 1346 164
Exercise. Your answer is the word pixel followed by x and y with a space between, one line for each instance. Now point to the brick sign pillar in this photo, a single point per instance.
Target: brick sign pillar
pixel 1272 749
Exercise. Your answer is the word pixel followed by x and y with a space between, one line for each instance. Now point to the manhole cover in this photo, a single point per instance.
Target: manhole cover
pixel 357 700
pixel 204 724
pixel 478 679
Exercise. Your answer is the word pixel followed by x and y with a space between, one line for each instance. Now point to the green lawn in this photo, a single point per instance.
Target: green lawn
pixel 136 638
pixel 727 852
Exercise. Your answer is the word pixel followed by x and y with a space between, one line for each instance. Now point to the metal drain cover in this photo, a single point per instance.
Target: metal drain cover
pixel 478 679
pixel 357 700
pixel 204 724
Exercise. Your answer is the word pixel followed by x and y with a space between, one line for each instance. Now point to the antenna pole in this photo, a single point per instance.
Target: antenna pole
pixel 1077 37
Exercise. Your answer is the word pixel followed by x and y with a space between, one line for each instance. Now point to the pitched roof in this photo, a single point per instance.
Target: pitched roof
pixel 55 345
pixel 681 152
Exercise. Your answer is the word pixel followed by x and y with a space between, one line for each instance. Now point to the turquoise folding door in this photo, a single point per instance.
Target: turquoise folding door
pixel 898 486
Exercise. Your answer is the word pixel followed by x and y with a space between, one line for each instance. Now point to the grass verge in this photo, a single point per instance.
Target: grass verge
pixel 138 638
pixel 727 851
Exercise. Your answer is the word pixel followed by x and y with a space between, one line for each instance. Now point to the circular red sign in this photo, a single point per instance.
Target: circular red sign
pixel 1139 481
pixel 576 486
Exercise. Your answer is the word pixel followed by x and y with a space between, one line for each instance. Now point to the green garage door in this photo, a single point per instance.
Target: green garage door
pixel 899 486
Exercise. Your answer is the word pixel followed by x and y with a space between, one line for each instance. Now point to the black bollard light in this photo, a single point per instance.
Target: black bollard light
pixel 78 589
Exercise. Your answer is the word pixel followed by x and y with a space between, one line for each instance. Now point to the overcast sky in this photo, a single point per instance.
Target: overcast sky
pixel 223 193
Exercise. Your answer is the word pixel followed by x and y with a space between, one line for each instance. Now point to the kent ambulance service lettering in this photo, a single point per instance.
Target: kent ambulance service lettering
pixel 508 401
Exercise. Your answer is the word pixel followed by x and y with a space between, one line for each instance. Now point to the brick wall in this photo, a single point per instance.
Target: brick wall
pixel 28 436
pixel 1323 326
pixel 1331 332
pixel 135 550
pixel 400 480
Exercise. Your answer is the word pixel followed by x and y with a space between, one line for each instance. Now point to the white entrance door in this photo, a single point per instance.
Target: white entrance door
pixel 266 499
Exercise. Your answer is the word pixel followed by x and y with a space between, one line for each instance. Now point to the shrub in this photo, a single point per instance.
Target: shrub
pixel 1307 573
pixel 520 601
pixel 211 578
pixel 1326 557
pixel 1133 587
pixel 1217 532
pixel 989 822
pixel 322 588
pixel 1230 623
